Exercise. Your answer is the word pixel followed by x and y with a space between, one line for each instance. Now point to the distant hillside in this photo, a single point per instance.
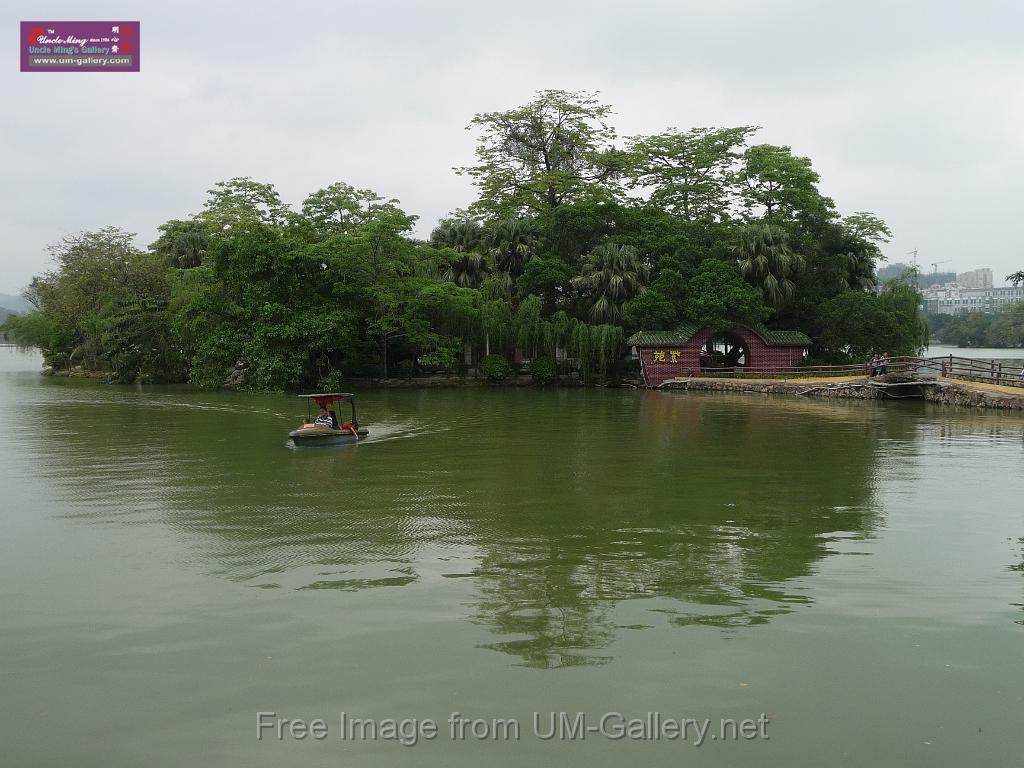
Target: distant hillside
pixel 4 314
pixel 13 303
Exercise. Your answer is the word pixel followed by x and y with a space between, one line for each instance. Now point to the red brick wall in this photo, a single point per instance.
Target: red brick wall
pixel 687 357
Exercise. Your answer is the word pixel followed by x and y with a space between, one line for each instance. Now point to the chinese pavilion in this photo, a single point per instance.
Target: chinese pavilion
pixel 690 351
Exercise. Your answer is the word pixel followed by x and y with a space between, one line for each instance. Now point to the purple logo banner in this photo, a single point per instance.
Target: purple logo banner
pixel 79 46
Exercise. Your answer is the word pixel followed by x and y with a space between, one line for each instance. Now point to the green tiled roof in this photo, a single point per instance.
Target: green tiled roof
pixel 685 332
pixel 784 338
pixel 678 337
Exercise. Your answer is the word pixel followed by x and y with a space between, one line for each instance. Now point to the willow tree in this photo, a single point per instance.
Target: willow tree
pixel 496 312
pixel 595 347
pixel 611 275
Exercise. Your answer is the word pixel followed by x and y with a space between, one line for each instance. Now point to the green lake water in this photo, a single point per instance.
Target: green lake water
pixel 169 567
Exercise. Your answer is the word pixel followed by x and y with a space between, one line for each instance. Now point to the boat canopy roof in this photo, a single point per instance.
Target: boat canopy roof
pixel 326 398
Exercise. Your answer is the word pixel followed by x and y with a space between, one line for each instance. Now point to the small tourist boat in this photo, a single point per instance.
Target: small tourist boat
pixel 341 433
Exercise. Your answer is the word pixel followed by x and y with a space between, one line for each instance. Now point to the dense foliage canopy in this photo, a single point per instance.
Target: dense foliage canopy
pixel 1004 328
pixel 575 241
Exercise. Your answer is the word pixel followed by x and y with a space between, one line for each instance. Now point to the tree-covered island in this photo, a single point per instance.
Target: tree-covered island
pixel 577 239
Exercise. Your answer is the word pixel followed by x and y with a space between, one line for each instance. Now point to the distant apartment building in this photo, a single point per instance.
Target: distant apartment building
pixel 955 299
pixel 975 279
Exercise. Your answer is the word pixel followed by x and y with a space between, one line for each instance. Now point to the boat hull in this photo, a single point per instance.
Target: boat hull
pixel 333 437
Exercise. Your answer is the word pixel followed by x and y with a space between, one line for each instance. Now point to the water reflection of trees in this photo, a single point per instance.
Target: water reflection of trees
pixel 707 508
pixel 563 508
pixel 1019 568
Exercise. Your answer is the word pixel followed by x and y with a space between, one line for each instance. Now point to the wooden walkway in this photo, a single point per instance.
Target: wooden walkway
pixel 951 367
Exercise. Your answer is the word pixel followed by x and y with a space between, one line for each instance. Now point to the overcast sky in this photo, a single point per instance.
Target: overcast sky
pixel 910 110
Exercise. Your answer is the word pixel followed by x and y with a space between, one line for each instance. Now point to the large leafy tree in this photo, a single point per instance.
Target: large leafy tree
pixel 867 227
pixel 778 185
pixel 612 275
pixel 966 330
pixel 717 296
pixel 547 278
pixel 558 148
pixel 549 257
pixel 139 342
pixel 94 273
pixel 396 285
pixel 242 201
pixel 856 324
pixel 691 173
pixel 1007 328
pixel 340 208
pixel 650 311
pixel 572 229
pixel 767 261
pixel 861 235
pixel 268 304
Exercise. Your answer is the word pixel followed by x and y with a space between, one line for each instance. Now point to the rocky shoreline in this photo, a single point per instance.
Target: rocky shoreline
pixel 931 390
pixel 893 387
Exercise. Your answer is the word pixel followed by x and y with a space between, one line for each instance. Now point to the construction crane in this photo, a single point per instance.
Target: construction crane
pixel 914 254
pixel 935 265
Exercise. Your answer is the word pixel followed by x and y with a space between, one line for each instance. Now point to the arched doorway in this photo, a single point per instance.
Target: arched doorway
pixel 724 350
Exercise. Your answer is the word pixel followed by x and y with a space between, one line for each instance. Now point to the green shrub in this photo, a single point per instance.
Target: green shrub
pixel 405 369
pixel 331 382
pixel 495 368
pixel 543 370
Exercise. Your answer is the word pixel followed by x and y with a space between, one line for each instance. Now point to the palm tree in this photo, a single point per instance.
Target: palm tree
pixel 511 244
pixel 1016 278
pixel 462 235
pixel 767 262
pixel 467 270
pixel 860 270
pixel 612 275
pixel 190 248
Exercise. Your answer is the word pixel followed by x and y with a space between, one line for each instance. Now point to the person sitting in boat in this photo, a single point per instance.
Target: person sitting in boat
pixel 325 419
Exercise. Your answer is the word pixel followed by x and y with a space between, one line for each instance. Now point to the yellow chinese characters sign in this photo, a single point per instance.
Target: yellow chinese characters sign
pixel 660 354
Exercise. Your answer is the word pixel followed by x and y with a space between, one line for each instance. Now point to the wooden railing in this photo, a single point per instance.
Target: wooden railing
pixel 949 366
pixel 968 369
